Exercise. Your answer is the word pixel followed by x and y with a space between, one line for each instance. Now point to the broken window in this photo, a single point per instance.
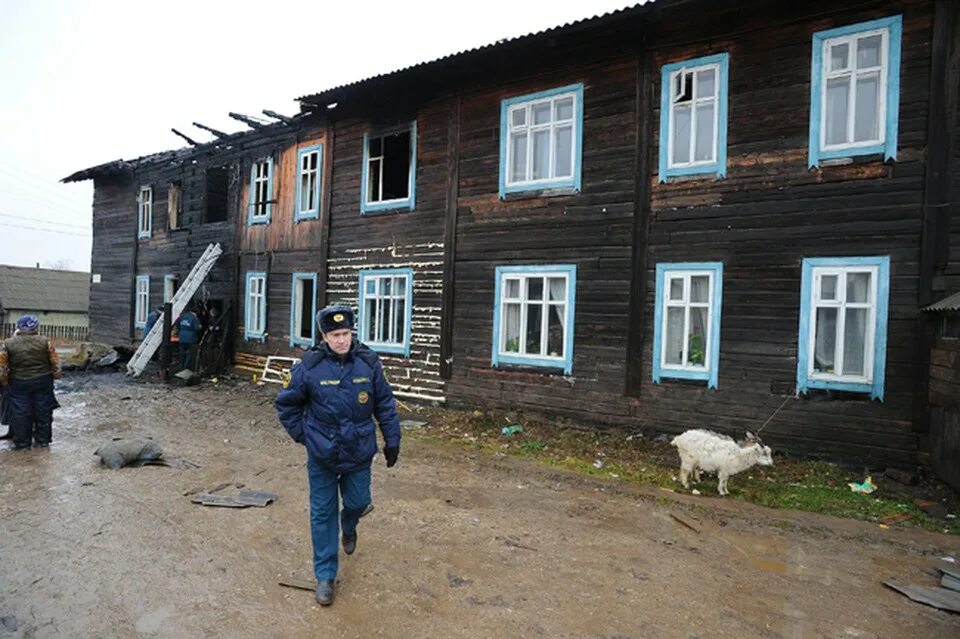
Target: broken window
pixel 390 170
pixel 303 309
pixel 386 298
pixel 261 191
pixel 217 185
pixel 309 161
pixel 171 283
pixel 174 205
pixel 145 212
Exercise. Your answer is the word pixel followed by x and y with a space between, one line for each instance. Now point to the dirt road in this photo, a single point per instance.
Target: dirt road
pixel 459 545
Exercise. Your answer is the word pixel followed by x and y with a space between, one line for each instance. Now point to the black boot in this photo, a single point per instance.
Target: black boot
pixel 349 543
pixel 325 592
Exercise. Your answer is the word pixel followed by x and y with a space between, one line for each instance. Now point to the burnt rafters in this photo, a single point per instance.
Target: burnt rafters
pixel 189 140
pixel 219 134
pixel 246 119
pixel 277 116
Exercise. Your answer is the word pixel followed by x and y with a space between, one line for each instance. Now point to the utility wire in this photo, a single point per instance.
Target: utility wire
pixel 42 230
pixel 33 219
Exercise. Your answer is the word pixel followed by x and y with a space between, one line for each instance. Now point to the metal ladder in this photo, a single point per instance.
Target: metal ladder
pixel 183 295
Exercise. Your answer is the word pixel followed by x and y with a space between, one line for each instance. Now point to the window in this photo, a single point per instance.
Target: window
pixel 261 191
pixel 686 333
pixel 145 212
pixel 390 169
pixel 533 316
pixel 855 91
pixel 217 187
pixel 141 301
pixel 386 309
pixel 693 117
pixel 310 163
pixel 174 205
pixel 541 138
pixel 255 322
pixel 303 309
pixel 170 285
pixel 843 324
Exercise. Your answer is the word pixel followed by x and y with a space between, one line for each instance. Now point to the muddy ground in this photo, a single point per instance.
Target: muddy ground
pixel 461 544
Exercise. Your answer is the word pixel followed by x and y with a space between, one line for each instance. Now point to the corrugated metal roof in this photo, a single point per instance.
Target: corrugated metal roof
pixel 951 303
pixel 492 45
pixel 40 289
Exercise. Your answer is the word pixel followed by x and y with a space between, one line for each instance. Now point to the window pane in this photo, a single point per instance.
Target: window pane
pixel 826 340
pixel 383 320
pixel 828 287
pixel 673 343
pixel 518 168
pixel 704 148
pixel 513 289
pixel 868 51
pixel 511 330
pixel 399 322
pixel 838 94
pixel 519 116
pixel 858 287
pixel 371 286
pixel 700 288
pixel 555 331
pixel 305 192
pixel 541 113
pixel 706 83
pixel 683 89
pixel 396 166
pixel 370 313
pixel 681 134
pixel 697 338
pixel 376 147
pixel 839 53
pixel 385 287
pixel 534 320
pixel 565 109
pixel 855 341
pixel 558 289
pixel 373 184
pixel 535 288
pixel 541 154
pixel 563 149
pixel 400 286
pixel 676 288
pixel 866 121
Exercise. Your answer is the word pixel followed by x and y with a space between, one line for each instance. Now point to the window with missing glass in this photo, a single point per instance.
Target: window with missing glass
pixel 389 173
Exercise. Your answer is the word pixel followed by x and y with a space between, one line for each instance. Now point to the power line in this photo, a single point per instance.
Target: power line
pixel 39 185
pixel 42 198
pixel 42 230
pixel 31 219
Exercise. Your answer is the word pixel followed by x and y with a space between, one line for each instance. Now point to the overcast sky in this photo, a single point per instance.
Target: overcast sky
pixel 83 83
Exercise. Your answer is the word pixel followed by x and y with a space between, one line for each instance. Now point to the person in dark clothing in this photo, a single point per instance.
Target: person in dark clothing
pixel 189 332
pixel 152 318
pixel 28 366
pixel 329 405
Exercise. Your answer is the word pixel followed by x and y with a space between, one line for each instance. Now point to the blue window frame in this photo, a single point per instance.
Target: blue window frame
pixel 389 177
pixel 843 324
pixel 141 301
pixel 533 316
pixel 693 117
pixel 855 90
pixel 686 329
pixel 303 309
pixel 309 180
pixel 541 140
pixel 386 310
pixel 145 213
pixel 255 307
pixel 261 192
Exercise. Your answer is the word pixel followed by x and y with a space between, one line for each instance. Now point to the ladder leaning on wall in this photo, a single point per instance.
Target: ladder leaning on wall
pixel 183 295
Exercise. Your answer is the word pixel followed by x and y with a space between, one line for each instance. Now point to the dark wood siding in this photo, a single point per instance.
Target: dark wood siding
pixel 114 239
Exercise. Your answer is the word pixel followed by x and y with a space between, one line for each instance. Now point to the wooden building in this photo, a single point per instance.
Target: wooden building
pixel 688 213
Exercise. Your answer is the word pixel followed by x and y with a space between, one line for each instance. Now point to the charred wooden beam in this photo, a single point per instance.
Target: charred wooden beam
pixel 246 119
pixel 219 134
pixel 189 140
pixel 277 116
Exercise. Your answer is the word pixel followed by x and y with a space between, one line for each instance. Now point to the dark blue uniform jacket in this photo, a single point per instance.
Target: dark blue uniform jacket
pixel 189 326
pixel 329 404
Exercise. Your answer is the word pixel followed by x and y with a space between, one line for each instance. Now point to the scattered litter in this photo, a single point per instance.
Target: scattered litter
pixel 516 544
pixel 865 488
pixel 949 560
pixel 932 508
pixel 412 423
pixel 125 452
pixel 186 374
pixel 107 360
pixel 169 462
pixel 276 370
pixel 951 516
pixel 512 429
pixel 241 500
pixel 942 598
pixel 694 492
pixel 598 463
pixel 685 522
pixel 299 584
pixel 638 435
pixel 896 518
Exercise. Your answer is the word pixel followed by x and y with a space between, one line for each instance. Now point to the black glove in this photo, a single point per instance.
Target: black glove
pixel 391 453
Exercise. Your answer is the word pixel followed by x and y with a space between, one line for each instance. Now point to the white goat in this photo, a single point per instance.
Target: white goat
pixel 714 453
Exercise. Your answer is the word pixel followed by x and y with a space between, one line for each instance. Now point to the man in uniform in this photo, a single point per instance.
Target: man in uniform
pixel 28 366
pixel 188 326
pixel 328 406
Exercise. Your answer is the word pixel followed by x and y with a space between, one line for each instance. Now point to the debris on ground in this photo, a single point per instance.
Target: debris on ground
pixel 901 476
pixel 685 522
pixel 242 499
pixel 512 429
pixel 865 488
pixel 946 596
pixel 932 508
pixel 896 518
pixel 299 584
pixel 124 452
pixel 412 423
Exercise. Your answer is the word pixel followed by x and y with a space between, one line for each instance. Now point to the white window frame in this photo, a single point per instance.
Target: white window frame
pixel 145 212
pixel 882 71
pixel 314 180
pixel 141 301
pixel 840 303
pixel 261 183
pixel 170 286
pixel 255 322
pixel 297 301
pixel 695 102
pixel 685 276
pixel 371 206
pixel 397 344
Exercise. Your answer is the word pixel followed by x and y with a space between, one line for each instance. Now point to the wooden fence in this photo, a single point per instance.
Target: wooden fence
pixel 59 334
